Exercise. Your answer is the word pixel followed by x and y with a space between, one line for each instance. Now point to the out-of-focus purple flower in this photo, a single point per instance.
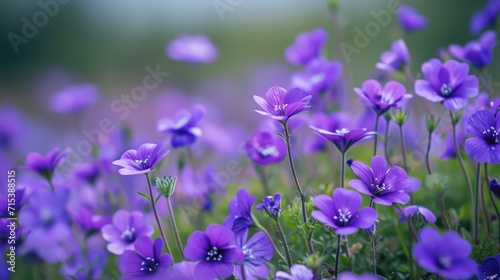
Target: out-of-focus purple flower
pixel 307 46
pixel 352 276
pixel 319 76
pixel 495 187
pixel 341 211
pixel 410 19
pixel 21 196
pixel 183 270
pixel 344 138
pixel 87 221
pixel 215 252
pixel 5 233
pixel 413 186
pixel 84 267
pixel 258 251
pixel 272 205
pixel 147 262
pixel 45 165
pixel 90 171
pixel 489 268
pixel 446 255
pixel 194 49
pixel 385 185
pixel 381 99
pixel 11 127
pixel 326 122
pixel 410 211
pixel 449 146
pixel 185 128
pixel 74 99
pixel 240 211
pixel 265 147
pixel 124 230
pixel 142 160
pixel 281 104
pixel 448 83
pixel 485 17
pixel 395 59
pixel 297 272
pixel 483 146
pixel 479 53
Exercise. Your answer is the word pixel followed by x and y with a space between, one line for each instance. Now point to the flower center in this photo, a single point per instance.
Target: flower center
pixel 143 164
pixel 128 235
pixel 492 277
pixel 342 218
pixel 386 98
pixel 491 136
pixel 247 252
pixel 342 131
pixel 268 151
pixel 280 109
pixel 444 262
pixel 214 255
pixel 149 264
pixel 318 78
pixel 379 187
pixel 445 90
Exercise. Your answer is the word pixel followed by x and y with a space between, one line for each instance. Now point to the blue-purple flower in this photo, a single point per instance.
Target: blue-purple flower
pixel 192 49
pixel 352 276
pixel 85 265
pixel 185 128
pixel 341 211
pixel 479 53
pixel 265 147
pixel 183 270
pixel 344 138
pixel 448 83
pixel 494 187
pixel 124 230
pixel 485 17
pixel 240 211
pixel 319 76
pixel 385 185
pixel 307 46
pixel 147 262
pixel 381 99
pixel 297 272
pixel 258 251
pixel 272 205
pixel 281 104
pixel 88 221
pixel 483 146
pixel 74 98
pixel 215 252
pixel 142 160
pixel 446 255
pixel 410 19
pixel 410 211
pixel 395 59
pixel 489 268
pixel 45 165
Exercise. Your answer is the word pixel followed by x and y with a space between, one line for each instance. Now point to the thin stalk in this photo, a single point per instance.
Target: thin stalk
pixel 443 213
pixel 376 135
pixel 337 257
pixel 386 141
pixel 296 180
pixel 256 222
pixel 403 147
pixel 437 276
pixel 152 200
pixel 342 169
pixel 373 243
pixel 492 199
pixel 173 225
pixel 476 205
pixel 285 244
pixel 261 172
pixel 485 210
pixel 427 153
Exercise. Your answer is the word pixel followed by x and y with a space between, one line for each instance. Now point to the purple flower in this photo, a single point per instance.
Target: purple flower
pixel 449 150
pixel 297 272
pixel 446 255
pixel 215 251
pixel 341 211
pixel 272 205
pixel 258 251
pixel 344 138
pixel 479 53
pixel 21 196
pixel 307 46
pixel 352 276
pixel 265 147
pixel 483 146
pixel 395 59
pixel 240 211
pixel 326 122
pixel 185 128
pixel 281 104
pixel 410 19
pixel 124 230
pixel 381 99
pixel 90 265
pixel 192 49
pixel 74 99
pixel 495 187
pixel 147 262
pixel 45 165
pixel 319 76
pixel 448 83
pixel 90 171
pixel 485 17
pixel 183 270
pixel 142 160
pixel 489 268
pixel 410 211
pixel 385 185
pixel 87 221
pixel 11 127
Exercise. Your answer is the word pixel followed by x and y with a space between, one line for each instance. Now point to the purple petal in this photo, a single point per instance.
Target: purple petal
pixel 197 246
pixel 364 218
pixel 219 235
pixel 362 171
pixel 206 270
pixel 325 204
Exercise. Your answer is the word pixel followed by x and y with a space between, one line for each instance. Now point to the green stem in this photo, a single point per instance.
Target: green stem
pixel 337 257
pixel 443 213
pixel 256 222
pixel 476 205
pixel 483 203
pixel 376 136
pixel 403 147
pixel 427 153
pixel 342 169
pixel 285 244
pixel 261 172
pixel 373 243
pixel 174 228
pixel 386 142
pixel 152 200
pixel 492 199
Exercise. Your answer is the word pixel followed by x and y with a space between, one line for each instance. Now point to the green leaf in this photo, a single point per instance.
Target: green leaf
pixel 281 135
pixel 144 195
pixel 157 198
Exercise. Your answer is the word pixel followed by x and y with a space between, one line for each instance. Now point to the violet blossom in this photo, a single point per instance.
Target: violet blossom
pixel 142 160
pixel 281 104
pixel 184 129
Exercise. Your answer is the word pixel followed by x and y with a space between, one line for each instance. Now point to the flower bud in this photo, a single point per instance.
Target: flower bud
pixel 272 205
pixel 166 185
pixel 438 183
pixel 400 117
pixel 495 187
pixel 431 123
